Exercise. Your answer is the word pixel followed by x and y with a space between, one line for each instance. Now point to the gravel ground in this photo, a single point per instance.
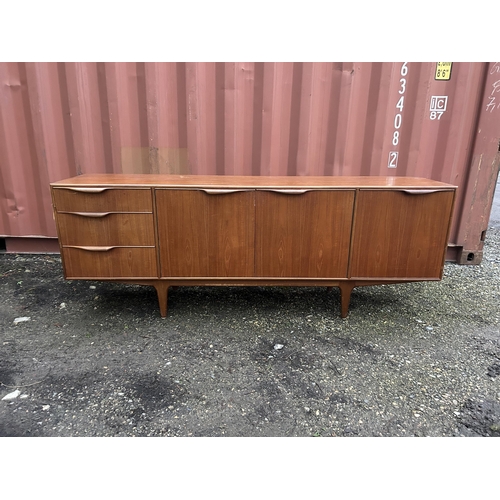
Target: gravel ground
pixel 96 359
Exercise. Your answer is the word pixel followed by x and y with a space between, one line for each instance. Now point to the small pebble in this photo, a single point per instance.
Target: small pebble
pixel 12 395
pixel 21 320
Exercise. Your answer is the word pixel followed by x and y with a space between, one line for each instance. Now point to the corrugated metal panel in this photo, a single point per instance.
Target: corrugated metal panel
pixel 62 119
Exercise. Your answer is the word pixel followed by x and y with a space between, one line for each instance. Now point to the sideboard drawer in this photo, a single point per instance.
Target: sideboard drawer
pixel 109 262
pixel 103 229
pixel 99 199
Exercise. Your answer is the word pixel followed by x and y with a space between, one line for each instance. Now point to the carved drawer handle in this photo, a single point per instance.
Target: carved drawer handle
pixel 423 191
pixel 87 190
pixel 224 191
pixel 288 191
pixel 92 249
pixel 89 214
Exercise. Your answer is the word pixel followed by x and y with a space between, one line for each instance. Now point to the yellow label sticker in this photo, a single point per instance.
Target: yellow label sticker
pixel 443 71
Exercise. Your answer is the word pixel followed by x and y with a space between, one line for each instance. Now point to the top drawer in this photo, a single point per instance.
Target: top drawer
pixel 79 199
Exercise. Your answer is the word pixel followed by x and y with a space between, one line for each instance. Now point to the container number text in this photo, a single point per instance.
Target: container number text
pixel 398 119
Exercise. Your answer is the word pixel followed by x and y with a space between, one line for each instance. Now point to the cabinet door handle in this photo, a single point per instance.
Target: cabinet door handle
pixel 87 190
pixel 224 191
pixel 423 191
pixel 288 191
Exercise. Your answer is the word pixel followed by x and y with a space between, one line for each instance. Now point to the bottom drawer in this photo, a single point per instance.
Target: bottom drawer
pixel 109 262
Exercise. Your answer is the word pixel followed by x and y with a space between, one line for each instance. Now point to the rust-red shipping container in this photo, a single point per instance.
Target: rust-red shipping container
pixel 435 120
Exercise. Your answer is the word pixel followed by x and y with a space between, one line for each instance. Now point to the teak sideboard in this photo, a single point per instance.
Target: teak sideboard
pixel 170 230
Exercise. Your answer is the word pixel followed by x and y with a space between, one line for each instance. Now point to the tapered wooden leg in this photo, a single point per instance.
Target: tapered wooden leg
pixel 345 297
pixel 162 291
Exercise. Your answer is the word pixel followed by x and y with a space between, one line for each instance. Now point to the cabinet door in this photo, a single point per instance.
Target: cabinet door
pixel 303 234
pixel 400 234
pixel 206 233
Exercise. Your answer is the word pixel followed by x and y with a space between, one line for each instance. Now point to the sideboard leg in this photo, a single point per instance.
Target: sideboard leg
pixel 162 291
pixel 345 297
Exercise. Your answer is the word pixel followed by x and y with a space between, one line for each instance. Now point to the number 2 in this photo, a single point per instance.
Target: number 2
pixel 393 159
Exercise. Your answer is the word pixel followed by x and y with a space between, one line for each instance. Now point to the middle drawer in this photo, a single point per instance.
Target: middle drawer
pixel 106 229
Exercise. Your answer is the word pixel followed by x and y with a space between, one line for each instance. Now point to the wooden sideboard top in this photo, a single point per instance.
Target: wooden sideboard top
pixel 237 181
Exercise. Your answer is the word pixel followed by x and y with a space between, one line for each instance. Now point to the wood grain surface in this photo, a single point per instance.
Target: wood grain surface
pixel 400 235
pixel 109 200
pixel 118 262
pixel 241 181
pixel 303 235
pixel 94 229
pixel 204 234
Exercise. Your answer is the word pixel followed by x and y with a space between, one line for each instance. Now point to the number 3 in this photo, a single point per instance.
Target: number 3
pixel 403 85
